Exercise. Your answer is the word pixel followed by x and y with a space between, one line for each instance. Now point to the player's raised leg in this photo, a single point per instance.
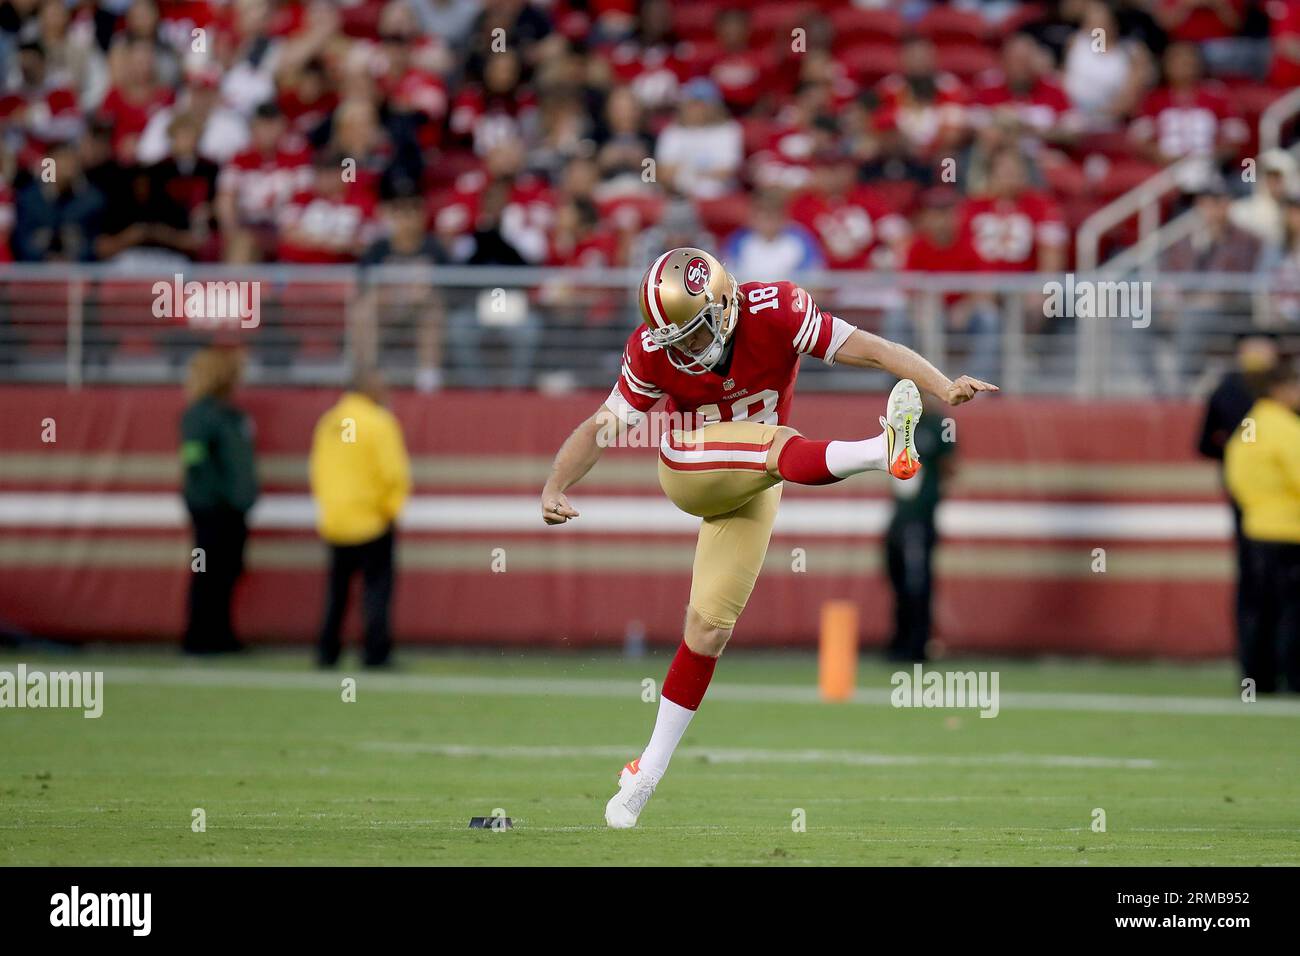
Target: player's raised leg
pixel 806 461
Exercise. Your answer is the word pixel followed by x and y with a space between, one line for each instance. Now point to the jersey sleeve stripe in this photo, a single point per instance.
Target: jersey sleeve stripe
pixel 811 327
pixel 639 386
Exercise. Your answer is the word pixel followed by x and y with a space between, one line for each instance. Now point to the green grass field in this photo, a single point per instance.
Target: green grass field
pixel 288 773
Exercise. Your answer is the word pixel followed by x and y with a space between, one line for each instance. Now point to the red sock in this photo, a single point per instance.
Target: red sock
pixel 688 677
pixel 804 462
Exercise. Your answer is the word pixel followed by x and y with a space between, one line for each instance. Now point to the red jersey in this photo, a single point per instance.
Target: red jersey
pixel 129 117
pixel 653 72
pixel 926 123
pixel 778 322
pixel 854 230
pixel 742 76
pixel 262 183
pixel 1007 234
pixel 1188 122
pixel 1043 108
pixel 1203 22
pixel 1284 24
pixel 925 255
pixel 335 228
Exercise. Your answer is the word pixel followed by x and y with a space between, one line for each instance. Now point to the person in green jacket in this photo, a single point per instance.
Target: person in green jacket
pixel 911 540
pixel 220 488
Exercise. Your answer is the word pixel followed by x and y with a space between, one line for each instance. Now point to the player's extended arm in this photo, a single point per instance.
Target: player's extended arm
pixel 576 456
pixel 865 350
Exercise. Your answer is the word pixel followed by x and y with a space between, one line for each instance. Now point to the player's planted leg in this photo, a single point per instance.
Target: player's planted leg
pixel 683 689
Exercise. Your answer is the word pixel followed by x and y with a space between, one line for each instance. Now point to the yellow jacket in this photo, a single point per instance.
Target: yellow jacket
pixel 1263 475
pixel 360 475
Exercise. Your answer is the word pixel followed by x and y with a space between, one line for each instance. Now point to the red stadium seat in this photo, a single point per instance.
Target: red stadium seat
pixel 695 19
pixel 1024 15
pixel 1114 146
pixel 632 213
pixel 1124 175
pixel 967 60
pixel 853 25
pixel 898 194
pixel 1251 99
pixel 723 216
pixel 945 23
pixel 1065 179
pixel 758 132
pixel 770 19
pixel 871 62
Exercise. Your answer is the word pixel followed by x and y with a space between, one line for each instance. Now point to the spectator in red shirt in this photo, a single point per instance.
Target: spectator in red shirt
pixel 578 241
pixel 740 69
pixel 938 245
pixel 333 221
pixel 1014 229
pixel 41 108
pixel 923 102
pixel 258 183
pixel 1284 30
pixel 135 97
pixel 1188 115
pixel 1011 228
pixel 1026 88
pixel 1213 25
pixel 855 227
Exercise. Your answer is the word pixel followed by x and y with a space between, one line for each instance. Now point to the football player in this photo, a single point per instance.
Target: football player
pixel 726 355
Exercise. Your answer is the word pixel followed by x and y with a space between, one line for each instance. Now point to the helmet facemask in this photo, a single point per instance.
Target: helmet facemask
pixel 719 317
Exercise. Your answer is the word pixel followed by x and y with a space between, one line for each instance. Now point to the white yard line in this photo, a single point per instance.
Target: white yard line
pixel 1010 701
pixel 741 755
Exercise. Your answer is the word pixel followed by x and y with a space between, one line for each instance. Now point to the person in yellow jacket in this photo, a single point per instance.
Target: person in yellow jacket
pixel 1262 467
pixel 360 478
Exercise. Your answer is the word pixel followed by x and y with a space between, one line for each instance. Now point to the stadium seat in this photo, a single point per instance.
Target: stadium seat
pixel 967 60
pixel 633 212
pixel 1023 15
pixel 695 19
pixel 770 19
pixel 725 215
pixel 899 194
pixel 1064 178
pixel 1122 176
pixel 945 23
pixel 758 132
pixel 853 25
pixel 1114 146
pixel 869 63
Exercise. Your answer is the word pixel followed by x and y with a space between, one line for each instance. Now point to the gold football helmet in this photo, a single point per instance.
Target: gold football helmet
pixel 684 291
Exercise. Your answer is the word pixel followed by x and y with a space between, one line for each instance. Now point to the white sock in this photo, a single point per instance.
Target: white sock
pixel 844 458
pixel 671 723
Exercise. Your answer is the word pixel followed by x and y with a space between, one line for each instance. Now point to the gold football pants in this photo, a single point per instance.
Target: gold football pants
pixel 719 473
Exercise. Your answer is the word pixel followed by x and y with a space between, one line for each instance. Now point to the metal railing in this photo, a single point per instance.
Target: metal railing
pixel 560 329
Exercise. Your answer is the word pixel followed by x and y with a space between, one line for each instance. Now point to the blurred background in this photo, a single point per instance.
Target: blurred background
pixel 463 195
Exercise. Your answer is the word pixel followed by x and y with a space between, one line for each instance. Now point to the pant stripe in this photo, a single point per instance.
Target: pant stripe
pixel 711 455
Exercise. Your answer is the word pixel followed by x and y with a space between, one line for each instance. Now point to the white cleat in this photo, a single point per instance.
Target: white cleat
pixel 634 791
pixel 902 414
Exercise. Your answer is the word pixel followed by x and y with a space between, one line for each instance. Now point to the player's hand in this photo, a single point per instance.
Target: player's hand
pixel 965 388
pixel 556 508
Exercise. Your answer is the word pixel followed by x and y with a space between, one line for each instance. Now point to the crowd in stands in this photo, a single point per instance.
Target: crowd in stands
pixel 578 132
